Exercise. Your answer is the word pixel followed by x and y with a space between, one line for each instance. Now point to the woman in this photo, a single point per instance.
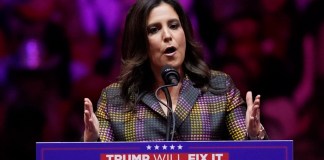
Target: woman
pixel 206 103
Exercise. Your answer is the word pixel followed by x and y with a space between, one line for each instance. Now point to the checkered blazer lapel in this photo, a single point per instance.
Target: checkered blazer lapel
pixel 187 99
pixel 150 100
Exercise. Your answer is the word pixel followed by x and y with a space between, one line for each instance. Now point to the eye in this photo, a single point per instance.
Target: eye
pixel 152 29
pixel 174 25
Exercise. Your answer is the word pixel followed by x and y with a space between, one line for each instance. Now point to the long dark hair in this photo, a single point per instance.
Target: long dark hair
pixel 136 71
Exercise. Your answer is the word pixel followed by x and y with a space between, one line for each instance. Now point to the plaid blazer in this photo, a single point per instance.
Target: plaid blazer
pixel 218 114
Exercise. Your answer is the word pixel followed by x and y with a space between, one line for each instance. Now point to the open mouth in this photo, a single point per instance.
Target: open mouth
pixel 170 50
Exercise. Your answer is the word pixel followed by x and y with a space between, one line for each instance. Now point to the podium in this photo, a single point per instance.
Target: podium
pixel 166 150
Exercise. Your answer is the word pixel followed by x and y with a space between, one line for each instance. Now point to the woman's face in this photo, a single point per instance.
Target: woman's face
pixel 166 38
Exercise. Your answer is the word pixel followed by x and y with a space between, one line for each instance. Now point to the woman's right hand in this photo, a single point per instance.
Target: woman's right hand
pixel 91 123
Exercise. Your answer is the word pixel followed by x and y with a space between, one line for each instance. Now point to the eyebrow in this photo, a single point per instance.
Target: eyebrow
pixel 170 20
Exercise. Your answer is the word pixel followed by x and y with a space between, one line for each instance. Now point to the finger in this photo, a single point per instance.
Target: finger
pixel 249 100
pixel 88 105
pixel 87 120
pixel 257 100
pixel 252 121
pixel 256 107
pixel 254 116
pixel 88 111
pixel 253 127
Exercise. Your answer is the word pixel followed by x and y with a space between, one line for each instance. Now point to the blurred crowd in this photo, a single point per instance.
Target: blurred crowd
pixel 53 53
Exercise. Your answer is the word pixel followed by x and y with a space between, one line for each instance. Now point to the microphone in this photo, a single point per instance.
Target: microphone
pixel 170 75
pixel 171 78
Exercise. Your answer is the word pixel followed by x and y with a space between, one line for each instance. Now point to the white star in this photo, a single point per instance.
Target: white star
pixel 156 147
pixel 180 147
pixel 164 147
pixel 148 147
pixel 172 147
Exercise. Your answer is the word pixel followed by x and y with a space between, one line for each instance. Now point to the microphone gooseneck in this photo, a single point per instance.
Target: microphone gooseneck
pixel 171 78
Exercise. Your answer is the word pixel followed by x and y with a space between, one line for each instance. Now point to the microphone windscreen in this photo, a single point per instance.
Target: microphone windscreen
pixel 169 75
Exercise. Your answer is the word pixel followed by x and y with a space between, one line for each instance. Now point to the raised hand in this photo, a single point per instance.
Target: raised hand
pixel 252 119
pixel 91 124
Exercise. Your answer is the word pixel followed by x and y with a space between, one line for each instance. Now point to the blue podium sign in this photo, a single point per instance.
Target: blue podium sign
pixel 175 150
